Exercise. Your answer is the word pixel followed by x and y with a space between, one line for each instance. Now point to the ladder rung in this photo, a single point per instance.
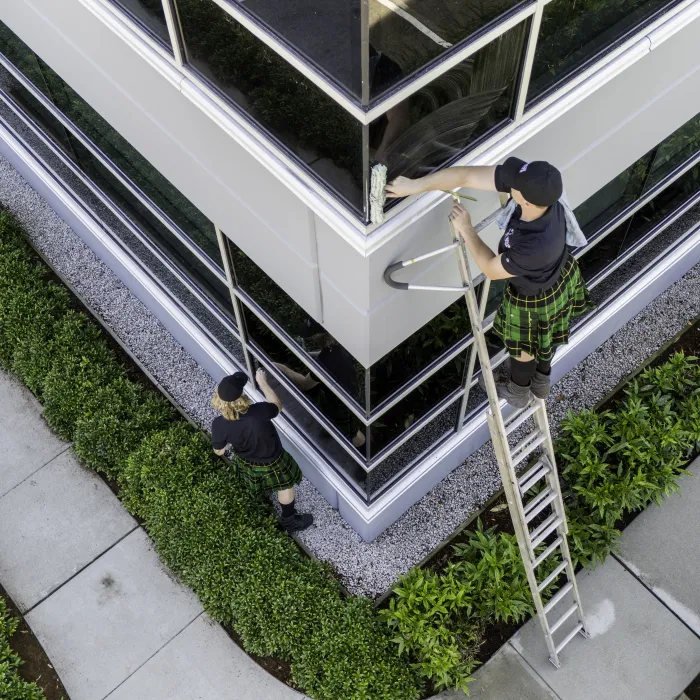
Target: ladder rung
pixel 528 451
pixel 547 552
pixel 541 537
pixel 534 512
pixel 551 518
pixel 525 442
pixel 520 418
pixel 559 596
pixel 526 485
pixel 554 575
pixel 536 499
pixel 569 637
pixel 553 628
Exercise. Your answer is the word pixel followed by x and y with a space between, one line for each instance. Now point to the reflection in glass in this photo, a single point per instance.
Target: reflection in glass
pixel 318 131
pixel 405 36
pixel 305 381
pixel 147 178
pixel 573 34
pixel 631 231
pixel 640 177
pixel 298 325
pixel 327 34
pixel 438 122
pixel 149 14
pixel 420 401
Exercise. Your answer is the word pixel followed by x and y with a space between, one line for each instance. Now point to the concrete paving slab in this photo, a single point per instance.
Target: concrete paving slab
pixel 111 618
pixel 662 547
pixel 53 524
pixel 506 676
pixel 637 649
pixel 26 443
pixel 202 663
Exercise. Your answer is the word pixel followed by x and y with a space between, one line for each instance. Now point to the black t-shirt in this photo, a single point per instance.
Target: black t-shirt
pixel 253 436
pixel 534 251
pixel 337 361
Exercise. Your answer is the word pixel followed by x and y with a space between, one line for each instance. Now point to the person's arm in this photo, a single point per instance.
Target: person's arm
pixel 304 381
pixel 218 437
pixel 220 452
pixel 476 177
pixel 488 261
pixel 261 379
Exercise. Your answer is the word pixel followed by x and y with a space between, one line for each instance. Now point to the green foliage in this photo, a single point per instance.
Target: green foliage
pixel 430 616
pixel 12 687
pixel 82 364
pixel 114 424
pixel 217 538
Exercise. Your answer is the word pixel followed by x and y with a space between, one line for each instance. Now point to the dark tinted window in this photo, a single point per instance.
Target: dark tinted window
pixel 405 36
pixel 149 14
pixel 318 131
pixel 444 118
pixel 574 33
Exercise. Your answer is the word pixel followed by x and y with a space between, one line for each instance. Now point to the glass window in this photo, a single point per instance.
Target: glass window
pixel 298 326
pixel 630 232
pixel 437 123
pixel 447 380
pixel 150 15
pixel 147 178
pixel 645 173
pixel 404 36
pixel 317 130
pixel 573 34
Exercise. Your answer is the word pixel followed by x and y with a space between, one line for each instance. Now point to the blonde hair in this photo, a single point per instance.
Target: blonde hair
pixel 231 410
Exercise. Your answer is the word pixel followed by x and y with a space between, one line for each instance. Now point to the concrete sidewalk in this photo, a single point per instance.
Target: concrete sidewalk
pixel 643 612
pixel 111 618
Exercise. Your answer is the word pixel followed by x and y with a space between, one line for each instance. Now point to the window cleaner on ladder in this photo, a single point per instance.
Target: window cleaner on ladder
pixel 545 289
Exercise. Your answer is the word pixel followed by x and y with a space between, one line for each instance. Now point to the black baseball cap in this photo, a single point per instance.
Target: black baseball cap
pixel 538 181
pixel 230 388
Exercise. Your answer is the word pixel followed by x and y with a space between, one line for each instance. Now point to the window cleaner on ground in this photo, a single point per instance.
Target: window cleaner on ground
pixel 259 459
pixel 545 288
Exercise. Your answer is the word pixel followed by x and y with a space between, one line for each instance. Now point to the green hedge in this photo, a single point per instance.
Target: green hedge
pixel 12 687
pixel 217 539
pixel 613 463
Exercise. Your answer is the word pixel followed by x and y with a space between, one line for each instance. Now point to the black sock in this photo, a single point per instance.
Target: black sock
pixel 288 509
pixel 521 372
pixel 544 367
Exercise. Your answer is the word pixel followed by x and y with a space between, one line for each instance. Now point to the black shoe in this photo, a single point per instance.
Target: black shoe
pixel 297 522
pixel 540 385
pixel 516 395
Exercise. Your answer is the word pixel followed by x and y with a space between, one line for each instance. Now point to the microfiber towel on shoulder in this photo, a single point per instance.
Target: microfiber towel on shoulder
pixel 574 234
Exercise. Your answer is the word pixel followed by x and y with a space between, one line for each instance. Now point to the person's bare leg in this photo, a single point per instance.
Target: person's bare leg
pixel 286 497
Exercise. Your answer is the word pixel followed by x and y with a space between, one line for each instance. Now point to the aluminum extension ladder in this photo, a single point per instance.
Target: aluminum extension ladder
pixel 548 535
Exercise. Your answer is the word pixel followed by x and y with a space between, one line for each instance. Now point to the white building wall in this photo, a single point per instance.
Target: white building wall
pixel 329 275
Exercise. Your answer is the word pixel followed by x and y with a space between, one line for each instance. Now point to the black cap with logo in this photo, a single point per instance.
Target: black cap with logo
pixel 230 388
pixel 539 181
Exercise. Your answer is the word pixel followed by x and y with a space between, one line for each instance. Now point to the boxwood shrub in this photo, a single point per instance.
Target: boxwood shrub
pixel 218 539
pixel 12 686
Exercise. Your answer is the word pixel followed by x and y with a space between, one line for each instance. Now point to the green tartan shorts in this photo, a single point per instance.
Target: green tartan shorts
pixel 279 475
pixel 538 324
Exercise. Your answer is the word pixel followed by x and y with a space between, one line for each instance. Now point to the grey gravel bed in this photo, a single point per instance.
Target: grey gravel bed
pixel 365 568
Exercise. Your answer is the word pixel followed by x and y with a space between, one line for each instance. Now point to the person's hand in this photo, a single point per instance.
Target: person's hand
pixel 460 219
pixel 261 377
pixel 400 187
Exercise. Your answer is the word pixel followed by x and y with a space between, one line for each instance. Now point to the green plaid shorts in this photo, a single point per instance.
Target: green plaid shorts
pixel 538 324
pixel 279 475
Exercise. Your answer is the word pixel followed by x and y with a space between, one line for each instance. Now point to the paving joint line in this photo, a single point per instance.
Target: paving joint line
pixel 38 469
pixel 532 668
pixel 79 571
pixel 165 644
pixel 651 591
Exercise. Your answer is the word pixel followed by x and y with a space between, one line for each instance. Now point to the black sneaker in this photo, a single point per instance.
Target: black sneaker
pixel 297 522
pixel 517 396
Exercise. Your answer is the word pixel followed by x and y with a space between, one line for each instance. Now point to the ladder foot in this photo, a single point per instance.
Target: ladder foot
pixel 554 660
pixel 585 634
